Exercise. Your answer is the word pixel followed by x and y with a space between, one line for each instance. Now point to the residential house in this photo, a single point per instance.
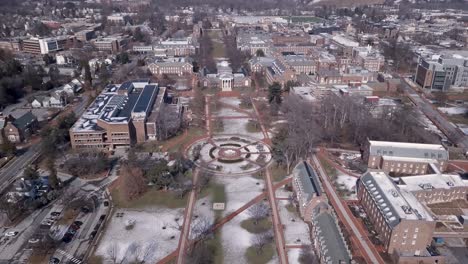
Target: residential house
pixel 17 130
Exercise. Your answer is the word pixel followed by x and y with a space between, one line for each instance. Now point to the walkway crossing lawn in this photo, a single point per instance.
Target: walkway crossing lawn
pixel 151 198
pixel 262 257
pixel 177 144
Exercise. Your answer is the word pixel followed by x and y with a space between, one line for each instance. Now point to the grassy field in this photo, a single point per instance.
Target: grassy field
pixel 217 193
pixel 217 246
pixel 278 173
pixel 253 127
pixel 264 257
pixel 173 144
pixel 261 227
pixel 219 50
pixel 152 197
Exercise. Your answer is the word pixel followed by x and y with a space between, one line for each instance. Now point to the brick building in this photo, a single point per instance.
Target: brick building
pixel 171 66
pixel 402 222
pixel 405 158
pixel 308 191
pixel 122 115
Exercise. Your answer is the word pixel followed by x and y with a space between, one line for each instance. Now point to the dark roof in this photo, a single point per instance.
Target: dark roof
pixel 24 121
pixel 308 179
pixel 143 103
pixel 334 247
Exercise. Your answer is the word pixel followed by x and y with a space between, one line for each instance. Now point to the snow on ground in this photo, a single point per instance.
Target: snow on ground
pixel 282 193
pixel 148 229
pixel 349 183
pixel 224 111
pixel 236 240
pixel 293 255
pixel 296 231
pixel 239 191
pixel 457 110
pixel 239 126
pixel 202 213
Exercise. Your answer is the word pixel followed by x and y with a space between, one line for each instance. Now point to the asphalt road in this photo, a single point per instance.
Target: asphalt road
pixel 14 167
pixel 10 171
pixel 452 132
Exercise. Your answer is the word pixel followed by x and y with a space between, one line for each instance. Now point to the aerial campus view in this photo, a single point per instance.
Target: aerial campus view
pixel 233 131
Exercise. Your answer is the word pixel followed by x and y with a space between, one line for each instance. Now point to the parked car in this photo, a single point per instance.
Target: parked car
pixel 54 261
pixel 11 234
pixel 33 240
pixel 78 223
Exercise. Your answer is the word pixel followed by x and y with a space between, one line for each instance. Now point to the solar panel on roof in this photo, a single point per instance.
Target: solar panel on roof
pixel 145 98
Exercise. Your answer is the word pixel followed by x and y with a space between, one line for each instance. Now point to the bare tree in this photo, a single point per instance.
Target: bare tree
pixel 201 228
pixel 258 212
pixel 259 241
pixel 307 256
pixel 133 182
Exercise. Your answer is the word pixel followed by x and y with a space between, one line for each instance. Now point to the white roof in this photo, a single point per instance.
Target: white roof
pixel 393 202
pixel 408 159
pixel 432 181
pixel 406 145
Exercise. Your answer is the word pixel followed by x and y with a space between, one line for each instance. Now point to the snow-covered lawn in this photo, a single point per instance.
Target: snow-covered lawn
pixel 239 191
pixel 239 126
pixel 293 255
pixel 224 111
pixel 347 183
pixel 296 231
pixel 456 110
pixel 236 239
pixel 147 233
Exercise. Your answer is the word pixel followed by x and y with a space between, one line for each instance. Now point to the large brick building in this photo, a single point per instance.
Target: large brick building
pixel 402 222
pixel 122 115
pixel 308 191
pixel 405 158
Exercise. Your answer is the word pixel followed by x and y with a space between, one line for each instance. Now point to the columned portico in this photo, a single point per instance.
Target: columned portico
pixel 227 84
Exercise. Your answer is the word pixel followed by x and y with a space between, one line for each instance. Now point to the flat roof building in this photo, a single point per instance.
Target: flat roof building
pixel 121 115
pixel 405 158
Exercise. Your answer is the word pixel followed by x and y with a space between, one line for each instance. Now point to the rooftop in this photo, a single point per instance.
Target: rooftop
pixel 309 182
pixel 432 181
pixel 409 150
pixel 333 245
pixel 394 203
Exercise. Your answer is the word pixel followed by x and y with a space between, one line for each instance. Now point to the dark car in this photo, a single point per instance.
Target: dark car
pixel 55 213
pixel 67 238
pixel 93 234
pixel 78 223
pixel 106 203
pixel 85 209
pixel 54 261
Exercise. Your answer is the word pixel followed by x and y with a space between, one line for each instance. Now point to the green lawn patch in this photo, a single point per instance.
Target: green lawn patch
pixel 263 257
pixel 261 227
pixel 152 197
pixel 217 246
pixel 182 140
pixel 278 172
pixel 253 127
pixel 217 193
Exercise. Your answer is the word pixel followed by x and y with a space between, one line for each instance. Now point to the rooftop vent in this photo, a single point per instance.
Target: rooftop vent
pixel 407 209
